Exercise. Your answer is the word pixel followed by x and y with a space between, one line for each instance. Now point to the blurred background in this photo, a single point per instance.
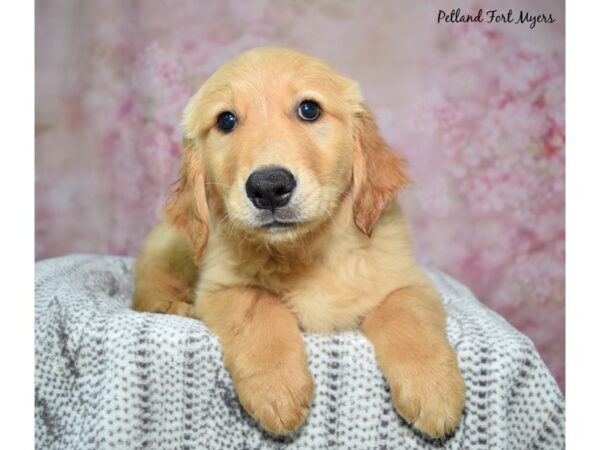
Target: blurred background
pixel 476 109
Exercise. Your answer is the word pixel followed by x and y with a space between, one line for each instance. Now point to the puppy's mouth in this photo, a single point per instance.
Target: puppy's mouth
pixel 280 220
pixel 277 224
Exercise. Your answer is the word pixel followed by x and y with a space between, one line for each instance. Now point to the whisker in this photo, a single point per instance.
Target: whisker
pixel 218 184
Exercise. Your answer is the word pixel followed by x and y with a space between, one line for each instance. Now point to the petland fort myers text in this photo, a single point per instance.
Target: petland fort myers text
pixel 495 16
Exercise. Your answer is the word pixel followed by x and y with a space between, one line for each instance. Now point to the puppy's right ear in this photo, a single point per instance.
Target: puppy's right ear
pixel 187 208
pixel 378 173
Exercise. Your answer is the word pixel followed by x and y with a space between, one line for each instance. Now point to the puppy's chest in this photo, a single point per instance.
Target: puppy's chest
pixel 332 291
pixel 330 297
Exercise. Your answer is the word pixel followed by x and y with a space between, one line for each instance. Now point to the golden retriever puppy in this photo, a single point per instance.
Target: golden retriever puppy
pixel 284 220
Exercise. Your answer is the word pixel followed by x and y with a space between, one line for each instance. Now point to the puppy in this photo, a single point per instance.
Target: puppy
pixel 283 220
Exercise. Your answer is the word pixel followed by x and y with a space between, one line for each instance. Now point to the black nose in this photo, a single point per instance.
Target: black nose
pixel 270 188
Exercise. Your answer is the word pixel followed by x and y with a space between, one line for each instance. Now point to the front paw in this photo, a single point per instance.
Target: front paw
pixel 279 398
pixel 429 393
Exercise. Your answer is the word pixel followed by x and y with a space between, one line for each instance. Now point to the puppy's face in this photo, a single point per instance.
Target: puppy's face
pixel 273 141
pixel 275 129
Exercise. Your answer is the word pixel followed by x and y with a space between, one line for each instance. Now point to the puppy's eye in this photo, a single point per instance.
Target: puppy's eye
pixel 226 121
pixel 309 110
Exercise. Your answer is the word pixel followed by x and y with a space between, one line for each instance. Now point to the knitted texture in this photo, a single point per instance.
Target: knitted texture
pixel 109 377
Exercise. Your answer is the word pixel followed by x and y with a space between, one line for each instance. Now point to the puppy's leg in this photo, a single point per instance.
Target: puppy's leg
pixel 165 274
pixel 264 352
pixel 408 332
pixel 161 292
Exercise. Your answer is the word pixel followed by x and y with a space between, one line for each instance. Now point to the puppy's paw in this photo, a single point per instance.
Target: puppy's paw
pixel 279 399
pixel 429 394
pixel 174 307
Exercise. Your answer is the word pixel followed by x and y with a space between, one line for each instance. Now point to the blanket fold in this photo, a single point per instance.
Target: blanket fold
pixel 109 377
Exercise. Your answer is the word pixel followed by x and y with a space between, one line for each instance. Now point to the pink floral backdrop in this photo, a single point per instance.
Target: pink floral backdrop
pixel 477 109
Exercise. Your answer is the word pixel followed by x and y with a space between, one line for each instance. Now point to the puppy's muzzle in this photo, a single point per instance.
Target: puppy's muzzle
pixel 270 188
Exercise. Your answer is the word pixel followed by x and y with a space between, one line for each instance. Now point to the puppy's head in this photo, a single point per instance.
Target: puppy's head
pixel 273 142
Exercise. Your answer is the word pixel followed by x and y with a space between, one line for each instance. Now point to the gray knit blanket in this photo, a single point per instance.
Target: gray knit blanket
pixel 107 377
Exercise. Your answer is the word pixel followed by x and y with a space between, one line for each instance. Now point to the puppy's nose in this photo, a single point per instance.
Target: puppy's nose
pixel 270 188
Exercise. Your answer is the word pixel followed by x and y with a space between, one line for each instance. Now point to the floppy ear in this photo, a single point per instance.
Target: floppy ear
pixel 187 208
pixel 378 173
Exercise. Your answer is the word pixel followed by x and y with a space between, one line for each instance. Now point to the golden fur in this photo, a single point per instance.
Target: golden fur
pixel 348 263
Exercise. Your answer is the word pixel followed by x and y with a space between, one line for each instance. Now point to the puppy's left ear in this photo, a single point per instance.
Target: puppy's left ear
pixel 187 208
pixel 377 173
